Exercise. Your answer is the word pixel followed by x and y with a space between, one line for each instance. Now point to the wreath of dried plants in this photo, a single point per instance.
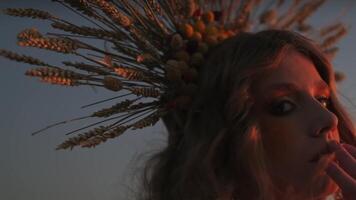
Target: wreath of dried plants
pixel 154 50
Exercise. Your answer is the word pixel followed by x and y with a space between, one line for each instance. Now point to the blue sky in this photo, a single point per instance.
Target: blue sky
pixel 30 167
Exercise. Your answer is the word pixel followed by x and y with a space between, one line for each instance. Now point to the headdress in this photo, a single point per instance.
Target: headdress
pixel 154 51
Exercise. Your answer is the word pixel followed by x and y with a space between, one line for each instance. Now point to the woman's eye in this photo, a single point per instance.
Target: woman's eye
pixel 282 107
pixel 325 101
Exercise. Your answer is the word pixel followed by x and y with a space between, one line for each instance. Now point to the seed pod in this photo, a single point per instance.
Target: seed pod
pixel 182 66
pixel 197 36
pixel 191 46
pixel 211 40
pixel 222 36
pixel 187 30
pixel 177 42
pixel 112 83
pixel 230 33
pixel 190 75
pixel 188 89
pixel 203 47
pixel 182 56
pixel 200 26
pixel 208 17
pixel 190 8
pixel 173 63
pixel 173 73
pixel 183 102
pixel 211 30
pixel 197 59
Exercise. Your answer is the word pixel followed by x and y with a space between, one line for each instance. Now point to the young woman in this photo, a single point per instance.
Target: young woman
pixel 266 124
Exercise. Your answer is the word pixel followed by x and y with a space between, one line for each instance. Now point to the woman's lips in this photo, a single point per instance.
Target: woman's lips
pixel 317 158
pixel 321 154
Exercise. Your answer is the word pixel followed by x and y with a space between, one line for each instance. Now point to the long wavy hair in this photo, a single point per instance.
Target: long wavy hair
pixel 214 150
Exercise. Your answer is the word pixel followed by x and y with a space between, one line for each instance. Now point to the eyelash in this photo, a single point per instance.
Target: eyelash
pixel 278 104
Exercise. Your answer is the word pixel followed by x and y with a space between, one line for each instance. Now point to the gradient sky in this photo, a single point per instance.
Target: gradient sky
pixel 31 169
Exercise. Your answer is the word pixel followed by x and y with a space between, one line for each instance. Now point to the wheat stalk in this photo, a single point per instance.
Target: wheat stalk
pixel 92 138
pixel 29 12
pixel 22 58
pixel 330 40
pixel 111 11
pixel 61 45
pixel 117 108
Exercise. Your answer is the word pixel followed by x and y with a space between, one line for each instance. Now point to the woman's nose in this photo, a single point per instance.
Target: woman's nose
pixel 325 122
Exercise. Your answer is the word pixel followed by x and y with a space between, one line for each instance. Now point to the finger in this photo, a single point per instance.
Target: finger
pixel 346 160
pixel 333 145
pixel 351 149
pixel 341 178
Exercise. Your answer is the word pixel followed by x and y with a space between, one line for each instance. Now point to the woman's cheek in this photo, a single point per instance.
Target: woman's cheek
pixel 278 143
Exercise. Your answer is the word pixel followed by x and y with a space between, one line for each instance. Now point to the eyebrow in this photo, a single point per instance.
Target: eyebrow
pixel 292 88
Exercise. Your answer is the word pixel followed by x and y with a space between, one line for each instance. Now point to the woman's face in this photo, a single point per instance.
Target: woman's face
pixel 295 123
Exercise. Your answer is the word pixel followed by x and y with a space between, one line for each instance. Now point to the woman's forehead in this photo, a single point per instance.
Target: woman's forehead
pixel 294 72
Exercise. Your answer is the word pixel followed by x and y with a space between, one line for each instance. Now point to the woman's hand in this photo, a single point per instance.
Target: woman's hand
pixel 344 173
